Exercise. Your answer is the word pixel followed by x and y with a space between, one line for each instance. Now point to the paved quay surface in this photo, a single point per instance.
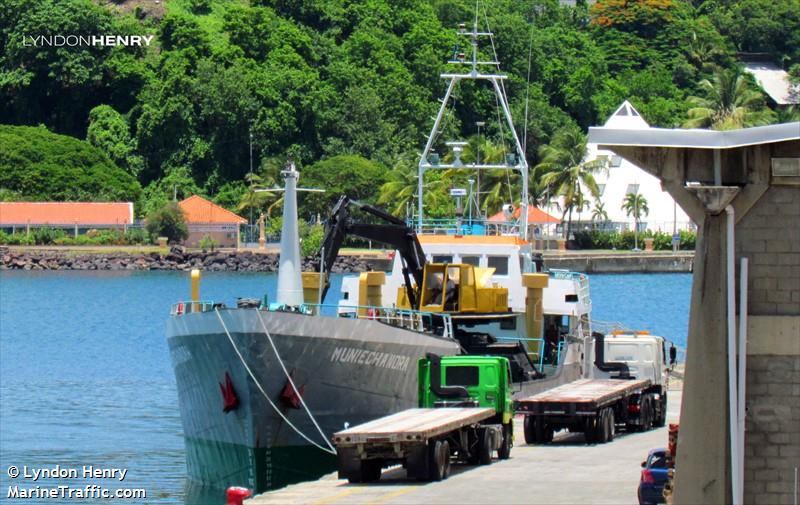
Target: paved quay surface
pixel 567 471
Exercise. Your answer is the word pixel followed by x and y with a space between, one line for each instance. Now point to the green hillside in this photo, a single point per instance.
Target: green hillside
pixel 36 164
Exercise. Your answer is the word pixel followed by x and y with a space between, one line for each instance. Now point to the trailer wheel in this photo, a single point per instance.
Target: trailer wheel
pixel 485 448
pixel 601 428
pixel 436 463
pixel 611 425
pixel 371 470
pixel 589 429
pixel 504 452
pixel 445 459
pixel 661 418
pixel 530 434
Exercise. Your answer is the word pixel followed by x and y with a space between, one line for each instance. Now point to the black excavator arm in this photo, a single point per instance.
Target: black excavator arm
pixel 394 233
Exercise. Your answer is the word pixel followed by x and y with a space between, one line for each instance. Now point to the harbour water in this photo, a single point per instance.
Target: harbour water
pixel 86 378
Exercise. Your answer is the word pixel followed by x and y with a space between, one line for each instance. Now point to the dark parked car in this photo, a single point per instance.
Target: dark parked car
pixel 654 476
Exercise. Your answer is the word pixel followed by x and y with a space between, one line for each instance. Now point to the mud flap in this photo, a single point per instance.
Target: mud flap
pixel 348 462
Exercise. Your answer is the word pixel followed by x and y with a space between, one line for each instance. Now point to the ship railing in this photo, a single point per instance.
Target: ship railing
pixel 464 226
pixel 415 320
pixel 539 357
pixel 187 307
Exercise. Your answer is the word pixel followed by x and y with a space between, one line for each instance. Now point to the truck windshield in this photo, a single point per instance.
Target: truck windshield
pixel 461 375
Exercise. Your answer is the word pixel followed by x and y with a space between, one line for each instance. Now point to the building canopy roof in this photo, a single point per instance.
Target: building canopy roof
pixel 535 216
pixel 694 138
pixel 197 209
pixel 66 213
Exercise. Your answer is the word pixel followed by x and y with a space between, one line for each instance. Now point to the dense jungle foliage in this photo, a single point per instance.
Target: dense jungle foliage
pixel 347 89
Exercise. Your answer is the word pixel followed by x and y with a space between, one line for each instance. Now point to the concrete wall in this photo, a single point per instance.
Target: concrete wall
pixel 222 238
pixel 770 236
pixel 622 263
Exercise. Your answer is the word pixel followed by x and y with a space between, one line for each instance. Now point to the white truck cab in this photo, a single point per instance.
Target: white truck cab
pixel 647 356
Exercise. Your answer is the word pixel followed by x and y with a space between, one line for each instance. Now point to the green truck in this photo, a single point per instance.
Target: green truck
pixel 465 414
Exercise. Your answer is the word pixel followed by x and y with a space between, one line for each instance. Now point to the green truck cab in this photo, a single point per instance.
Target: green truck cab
pixel 465 414
pixel 466 381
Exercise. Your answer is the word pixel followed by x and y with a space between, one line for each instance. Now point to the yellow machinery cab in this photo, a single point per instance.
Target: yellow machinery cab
pixel 457 288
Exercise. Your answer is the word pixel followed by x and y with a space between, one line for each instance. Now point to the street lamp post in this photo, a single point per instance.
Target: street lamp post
pixel 479 124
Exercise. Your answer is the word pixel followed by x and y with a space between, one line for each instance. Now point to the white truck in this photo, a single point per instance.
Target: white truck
pixel 627 389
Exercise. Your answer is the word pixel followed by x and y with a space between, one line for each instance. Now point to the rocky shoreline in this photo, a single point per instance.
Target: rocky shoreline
pixel 176 259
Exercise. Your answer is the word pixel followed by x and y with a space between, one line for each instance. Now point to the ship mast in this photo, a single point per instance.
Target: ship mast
pixel 431 161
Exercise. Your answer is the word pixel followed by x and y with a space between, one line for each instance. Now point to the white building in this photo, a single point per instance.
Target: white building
pixel 623 177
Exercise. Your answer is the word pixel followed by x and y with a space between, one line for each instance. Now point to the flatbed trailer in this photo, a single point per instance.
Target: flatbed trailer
pixel 596 407
pixel 422 440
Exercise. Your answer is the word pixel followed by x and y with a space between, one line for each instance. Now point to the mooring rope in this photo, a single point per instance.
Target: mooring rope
pixel 289 377
pixel 258 385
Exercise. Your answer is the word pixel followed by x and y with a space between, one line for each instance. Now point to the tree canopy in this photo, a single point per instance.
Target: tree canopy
pixel 345 86
pixel 36 164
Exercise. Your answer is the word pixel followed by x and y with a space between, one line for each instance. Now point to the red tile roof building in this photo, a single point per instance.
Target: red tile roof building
pixel 204 217
pixel 63 214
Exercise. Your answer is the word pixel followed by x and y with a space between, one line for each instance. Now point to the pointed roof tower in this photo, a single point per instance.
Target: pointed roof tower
pixel 627 118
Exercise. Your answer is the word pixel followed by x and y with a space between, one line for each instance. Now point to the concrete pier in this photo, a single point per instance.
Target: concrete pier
pixel 567 471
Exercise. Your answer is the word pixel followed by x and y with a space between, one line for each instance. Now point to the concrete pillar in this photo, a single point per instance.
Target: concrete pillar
pixel 534 313
pixel 702 469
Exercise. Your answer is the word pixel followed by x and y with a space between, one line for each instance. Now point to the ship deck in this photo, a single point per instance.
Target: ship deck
pixel 567 471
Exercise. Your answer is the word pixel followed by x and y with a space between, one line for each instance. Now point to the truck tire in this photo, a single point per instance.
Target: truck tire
pixel 446 458
pixel 612 428
pixel 436 460
pixel 504 452
pixel 530 434
pixel 647 413
pixel 600 428
pixel 661 418
pixel 371 470
pixel 485 448
pixel 541 433
pixel 589 429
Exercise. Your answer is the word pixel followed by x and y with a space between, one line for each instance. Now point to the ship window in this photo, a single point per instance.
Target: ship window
pixel 471 260
pixel 442 258
pixel 461 375
pixel 499 263
pixel 509 323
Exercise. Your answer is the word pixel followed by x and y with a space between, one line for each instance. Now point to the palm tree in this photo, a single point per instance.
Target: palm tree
pixel 599 213
pixel 730 102
pixel 255 198
pixel 401 189
pixel 564 170
pixel 495 187
pixel 635 205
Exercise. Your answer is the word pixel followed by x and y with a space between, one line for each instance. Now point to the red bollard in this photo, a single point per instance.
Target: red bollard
pixel 237 495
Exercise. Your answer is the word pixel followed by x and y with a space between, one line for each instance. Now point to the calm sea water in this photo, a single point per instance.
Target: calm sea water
pixel 86 379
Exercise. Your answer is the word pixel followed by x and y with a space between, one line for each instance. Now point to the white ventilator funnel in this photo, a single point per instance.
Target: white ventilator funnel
pixel 290 283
